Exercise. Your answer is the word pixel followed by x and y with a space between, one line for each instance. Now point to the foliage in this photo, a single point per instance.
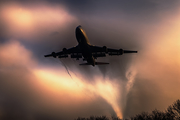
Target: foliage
pixel 98 118
pixel 171 113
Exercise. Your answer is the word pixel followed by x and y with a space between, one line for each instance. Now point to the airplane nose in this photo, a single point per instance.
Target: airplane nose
pixel 79 26
pixel 78 32
pixel 78 29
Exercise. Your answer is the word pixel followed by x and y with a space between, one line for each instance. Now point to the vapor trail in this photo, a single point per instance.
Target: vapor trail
pixel 68 71
pixel 66 68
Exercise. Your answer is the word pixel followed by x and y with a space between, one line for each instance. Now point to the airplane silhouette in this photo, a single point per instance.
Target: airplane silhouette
pixel 87 51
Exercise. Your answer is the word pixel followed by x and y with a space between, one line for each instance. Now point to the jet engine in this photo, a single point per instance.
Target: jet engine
pixel 121 51
pixel 105 49
pixel 76 56
pixel 64 50
pixel 53 54
pixel 62 56
pixel 99 55
pixel 65 55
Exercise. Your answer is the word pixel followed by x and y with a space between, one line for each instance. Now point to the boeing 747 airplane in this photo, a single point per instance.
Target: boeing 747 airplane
pixel 87 51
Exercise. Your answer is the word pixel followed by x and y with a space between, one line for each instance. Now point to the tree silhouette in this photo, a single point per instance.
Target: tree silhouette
pixel 171 113
pixel 98 118
pixel 95 118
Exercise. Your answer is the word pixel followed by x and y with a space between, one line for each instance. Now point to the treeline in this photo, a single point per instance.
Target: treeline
pixel 171 113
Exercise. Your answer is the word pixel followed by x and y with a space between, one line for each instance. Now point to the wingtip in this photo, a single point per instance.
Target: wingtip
pixel 47 55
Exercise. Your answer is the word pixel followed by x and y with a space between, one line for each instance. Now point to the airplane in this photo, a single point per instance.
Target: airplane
pixel 87 51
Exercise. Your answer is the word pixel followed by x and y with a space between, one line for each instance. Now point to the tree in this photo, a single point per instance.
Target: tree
pixel 172 113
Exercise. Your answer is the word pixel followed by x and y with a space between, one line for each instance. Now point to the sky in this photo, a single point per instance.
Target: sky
pixel 36 88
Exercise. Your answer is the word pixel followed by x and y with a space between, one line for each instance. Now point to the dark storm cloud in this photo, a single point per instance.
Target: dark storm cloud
pixel 128 6
pixel 133 10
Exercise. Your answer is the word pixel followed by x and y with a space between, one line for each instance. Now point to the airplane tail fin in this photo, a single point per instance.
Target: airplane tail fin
pixel 96 63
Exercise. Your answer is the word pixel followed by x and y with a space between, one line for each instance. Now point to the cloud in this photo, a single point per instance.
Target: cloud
pixel 157 81
pixel 11 54
pixel 41 87
pixel 29 21
pixel 30 91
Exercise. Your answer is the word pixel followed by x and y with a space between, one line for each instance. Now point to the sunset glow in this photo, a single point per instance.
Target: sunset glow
pixel 30 21
pixel 77 89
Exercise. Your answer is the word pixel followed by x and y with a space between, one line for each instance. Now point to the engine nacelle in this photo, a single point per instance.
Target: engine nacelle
pixel 76 56
pixel 99 55
pixel 64 50
pixel 53 54
pixel 62 56
pixel 121 51
pixel 105 49
pixel 113 53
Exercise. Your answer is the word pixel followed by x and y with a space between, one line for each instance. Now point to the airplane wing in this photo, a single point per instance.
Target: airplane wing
pixel 74 51
pixel 102 51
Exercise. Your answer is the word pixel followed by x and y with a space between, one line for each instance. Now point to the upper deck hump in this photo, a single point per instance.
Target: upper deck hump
pixel 79 30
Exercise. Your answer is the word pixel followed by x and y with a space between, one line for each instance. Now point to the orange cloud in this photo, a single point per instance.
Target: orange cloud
pixel 158 65
pixel 13 53
pixel 54 85
pixel 33 20
pixel 59 83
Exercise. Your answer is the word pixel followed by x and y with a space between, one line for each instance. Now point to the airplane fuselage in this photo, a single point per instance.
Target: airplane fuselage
pixel 87 51
pixel 84 45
